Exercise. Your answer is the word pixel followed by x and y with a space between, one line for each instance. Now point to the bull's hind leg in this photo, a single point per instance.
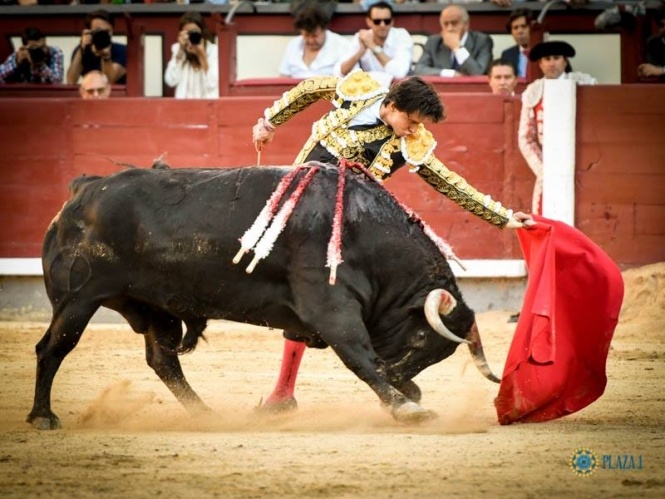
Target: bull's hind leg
pixel 162 340
pixel 60 338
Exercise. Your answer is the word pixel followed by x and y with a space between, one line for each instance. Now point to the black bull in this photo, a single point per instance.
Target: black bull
pixel 157 246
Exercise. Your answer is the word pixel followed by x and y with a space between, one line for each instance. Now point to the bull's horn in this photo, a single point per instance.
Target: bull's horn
pixel 440 301
pixel 476 349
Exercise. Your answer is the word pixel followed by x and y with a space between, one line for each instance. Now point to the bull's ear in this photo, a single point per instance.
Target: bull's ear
pixel 417 305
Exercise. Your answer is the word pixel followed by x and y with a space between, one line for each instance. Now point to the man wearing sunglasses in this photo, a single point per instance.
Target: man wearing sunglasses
pixel 382 49
pixel 456 51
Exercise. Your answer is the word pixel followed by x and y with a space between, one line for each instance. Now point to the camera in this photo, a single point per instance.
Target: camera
pixel 195 37
pixel 101 39
pixel 37 55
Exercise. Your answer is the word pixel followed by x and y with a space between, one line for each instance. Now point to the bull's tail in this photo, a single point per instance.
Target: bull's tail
pixel 476 349
pixel 194 331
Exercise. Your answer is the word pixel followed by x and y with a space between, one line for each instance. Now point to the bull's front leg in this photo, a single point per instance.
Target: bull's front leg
pixel 358 355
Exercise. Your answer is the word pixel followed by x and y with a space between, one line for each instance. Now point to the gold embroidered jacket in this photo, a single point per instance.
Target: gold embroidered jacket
pixel 375 146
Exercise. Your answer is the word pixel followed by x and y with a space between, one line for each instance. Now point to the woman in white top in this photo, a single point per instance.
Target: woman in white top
pixel 194 68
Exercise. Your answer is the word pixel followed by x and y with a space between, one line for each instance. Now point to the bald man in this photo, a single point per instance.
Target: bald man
pixel 457 50
pixel 95 85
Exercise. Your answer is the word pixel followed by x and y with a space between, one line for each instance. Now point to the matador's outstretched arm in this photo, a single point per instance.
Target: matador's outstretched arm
pixel 300 97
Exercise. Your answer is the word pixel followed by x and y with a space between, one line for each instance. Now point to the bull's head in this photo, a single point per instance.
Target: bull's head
pixel 425 339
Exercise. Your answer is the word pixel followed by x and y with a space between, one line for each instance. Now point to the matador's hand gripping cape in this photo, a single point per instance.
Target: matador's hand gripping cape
pixel 376 147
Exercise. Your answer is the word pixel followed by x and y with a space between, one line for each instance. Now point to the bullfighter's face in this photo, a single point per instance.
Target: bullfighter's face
pixel 402 123
pixel 552 66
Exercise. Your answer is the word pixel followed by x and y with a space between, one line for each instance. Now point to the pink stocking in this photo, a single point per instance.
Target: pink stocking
pixel 282 394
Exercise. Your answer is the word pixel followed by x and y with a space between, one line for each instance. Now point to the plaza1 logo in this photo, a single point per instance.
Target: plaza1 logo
pixel 584 462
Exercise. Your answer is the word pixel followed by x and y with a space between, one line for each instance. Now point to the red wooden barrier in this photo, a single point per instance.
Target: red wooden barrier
pixel 620 160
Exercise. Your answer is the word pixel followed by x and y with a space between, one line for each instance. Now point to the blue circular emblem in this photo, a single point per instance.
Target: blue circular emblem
pixel 583 462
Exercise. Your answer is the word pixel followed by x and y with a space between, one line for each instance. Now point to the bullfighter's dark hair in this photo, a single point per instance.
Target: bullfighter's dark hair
pixel 102 14
pixel 516 14
pixel 310 18
pixel 501 62
pixel 415 95
pixel 31 34
pixel 380 5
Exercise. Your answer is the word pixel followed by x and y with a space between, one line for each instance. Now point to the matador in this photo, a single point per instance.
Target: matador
pixel 382 129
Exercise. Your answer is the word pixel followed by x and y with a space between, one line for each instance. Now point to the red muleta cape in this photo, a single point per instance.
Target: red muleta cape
pixel 556 362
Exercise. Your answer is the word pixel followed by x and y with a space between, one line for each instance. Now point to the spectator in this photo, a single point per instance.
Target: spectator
pixel 518 26
pixel 502 77
pixel 552 58
pixel 194 66
pixel 317 50
pixel 34 61
pixel 655 65
pixel 95 85
pixel 456 51
pixel 97 50
pixel 382 49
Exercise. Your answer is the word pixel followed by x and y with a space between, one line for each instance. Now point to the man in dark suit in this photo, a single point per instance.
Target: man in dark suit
pixel 456 51
pixel 518 26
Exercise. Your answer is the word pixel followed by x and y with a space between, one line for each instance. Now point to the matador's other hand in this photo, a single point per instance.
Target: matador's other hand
pixel 520 220
pixel 262 133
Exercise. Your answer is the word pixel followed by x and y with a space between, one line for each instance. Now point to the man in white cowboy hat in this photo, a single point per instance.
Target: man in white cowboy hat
pixel 552 58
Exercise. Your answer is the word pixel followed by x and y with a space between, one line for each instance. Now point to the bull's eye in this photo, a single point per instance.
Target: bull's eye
pixel 419 339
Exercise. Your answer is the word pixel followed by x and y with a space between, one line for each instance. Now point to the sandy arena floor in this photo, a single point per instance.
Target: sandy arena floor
pixel 125 435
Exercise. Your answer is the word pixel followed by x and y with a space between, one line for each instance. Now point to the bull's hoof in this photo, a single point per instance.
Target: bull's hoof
pixel 199 409
pixel 410 390
pixel 44 423
pixel 412 413
pixel 277 407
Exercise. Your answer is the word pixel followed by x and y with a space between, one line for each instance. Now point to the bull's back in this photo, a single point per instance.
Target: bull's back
pixel 170 235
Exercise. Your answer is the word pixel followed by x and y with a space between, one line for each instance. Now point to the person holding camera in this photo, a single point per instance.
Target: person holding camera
pixel 97 51
pixel 34 61
pixel 193 69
